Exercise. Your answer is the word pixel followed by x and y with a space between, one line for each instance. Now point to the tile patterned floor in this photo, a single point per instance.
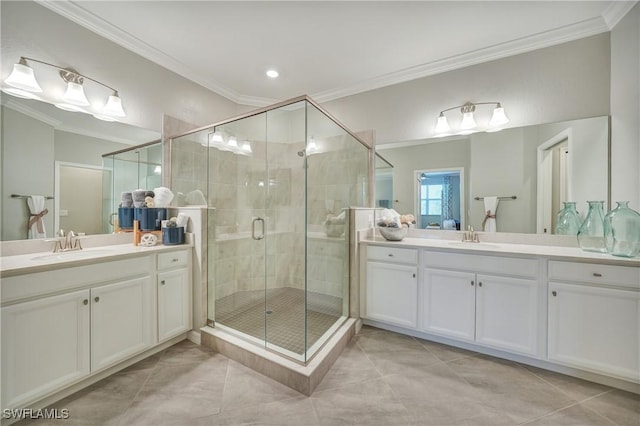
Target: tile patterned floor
pixel 381 378
pixel 285 326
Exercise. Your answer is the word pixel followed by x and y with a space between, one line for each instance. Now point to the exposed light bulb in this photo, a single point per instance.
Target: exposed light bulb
pixel 232 142
pixel 272 73
pixel 246 147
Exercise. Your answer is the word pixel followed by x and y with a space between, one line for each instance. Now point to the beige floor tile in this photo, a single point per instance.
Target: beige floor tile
pixel 576 388
pixel 509 388
pixel 386 342
pixel 444 352
pixel 366 403
pixel 244 388
pixel 623 408
pixel 576 415
pixel 353 366
pixel 295 412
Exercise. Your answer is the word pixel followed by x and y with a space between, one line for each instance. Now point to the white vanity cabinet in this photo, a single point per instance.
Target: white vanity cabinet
pixel 174 294
pixel 63 325
pixel 392 285
pixel 594 318
pixel 489 300
pixel 45 346
pixel 122 321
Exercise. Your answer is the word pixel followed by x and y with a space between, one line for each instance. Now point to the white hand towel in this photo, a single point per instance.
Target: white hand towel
pixel 37 212
pixel 490 207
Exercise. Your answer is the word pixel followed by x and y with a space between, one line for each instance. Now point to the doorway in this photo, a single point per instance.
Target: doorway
pixel 439 195
pixel 554 179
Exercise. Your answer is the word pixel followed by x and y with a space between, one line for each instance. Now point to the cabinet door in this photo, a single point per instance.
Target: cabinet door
pixel 391 293
pixel 45 345
pixel 122 321
pixel 448 303
pixel 174 301
pixel 595 329
pixel 507 313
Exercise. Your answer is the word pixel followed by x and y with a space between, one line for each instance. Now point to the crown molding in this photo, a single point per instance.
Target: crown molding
pixel 434 139
pixel 94 134
pixel 616 11
pixel 104 29
pixel 31 112
pixel 526 44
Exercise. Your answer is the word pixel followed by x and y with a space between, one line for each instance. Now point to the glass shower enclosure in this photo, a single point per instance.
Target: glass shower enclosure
pixel 136 167
pixel 279 183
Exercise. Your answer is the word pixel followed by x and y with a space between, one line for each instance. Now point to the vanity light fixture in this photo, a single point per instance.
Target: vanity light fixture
pixel 246 147
pixel 22 83
pixel 468 122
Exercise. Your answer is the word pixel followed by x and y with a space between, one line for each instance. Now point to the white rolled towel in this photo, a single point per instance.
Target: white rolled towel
pixel 37 211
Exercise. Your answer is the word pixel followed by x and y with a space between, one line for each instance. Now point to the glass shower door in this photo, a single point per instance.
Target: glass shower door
pixel 238 187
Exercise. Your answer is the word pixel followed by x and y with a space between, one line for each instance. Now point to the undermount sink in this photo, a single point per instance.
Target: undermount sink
pixel 71 255
pixel 471 244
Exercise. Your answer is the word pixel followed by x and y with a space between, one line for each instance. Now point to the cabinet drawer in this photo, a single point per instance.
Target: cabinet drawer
pixel 173 259
pixel 624 276
pixel 393 254
pixel 41 283
pixel 482 264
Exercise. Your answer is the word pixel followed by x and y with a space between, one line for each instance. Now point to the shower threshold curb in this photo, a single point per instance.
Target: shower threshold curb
pixel 302 378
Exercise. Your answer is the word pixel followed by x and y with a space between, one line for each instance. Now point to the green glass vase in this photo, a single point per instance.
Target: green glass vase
pixel 622 231
pixel 568 220
pixel 591 232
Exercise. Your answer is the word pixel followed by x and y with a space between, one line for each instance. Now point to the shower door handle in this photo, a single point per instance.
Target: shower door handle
pixel 253 228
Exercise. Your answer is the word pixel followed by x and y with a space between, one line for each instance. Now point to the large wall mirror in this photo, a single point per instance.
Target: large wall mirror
pixel 59 155
pixel 532 170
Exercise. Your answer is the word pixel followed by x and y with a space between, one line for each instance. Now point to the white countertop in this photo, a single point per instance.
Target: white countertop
pixel 568 253
pixel 46 261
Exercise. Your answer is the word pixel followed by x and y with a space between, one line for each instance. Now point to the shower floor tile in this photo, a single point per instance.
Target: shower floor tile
pixel 285 316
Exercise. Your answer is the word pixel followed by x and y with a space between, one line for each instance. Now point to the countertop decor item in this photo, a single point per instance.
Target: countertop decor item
pixel 568 220
pixel 591 232
pixel 393 234
pixel 622 231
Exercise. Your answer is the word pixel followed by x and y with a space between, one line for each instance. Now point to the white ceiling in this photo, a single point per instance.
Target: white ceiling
pixel 331 49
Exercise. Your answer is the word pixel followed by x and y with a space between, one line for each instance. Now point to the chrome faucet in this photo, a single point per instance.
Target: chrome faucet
pixel 470 236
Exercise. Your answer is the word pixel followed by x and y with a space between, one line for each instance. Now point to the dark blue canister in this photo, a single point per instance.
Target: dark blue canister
pixel 125 217
pixel 150 218
pixel 172 236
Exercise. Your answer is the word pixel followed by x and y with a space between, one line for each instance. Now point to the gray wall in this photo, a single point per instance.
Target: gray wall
pixel 407 160
pixel 30 149
pixel 27 169
pixel 557 83
pixel 625 109
pixel 147 90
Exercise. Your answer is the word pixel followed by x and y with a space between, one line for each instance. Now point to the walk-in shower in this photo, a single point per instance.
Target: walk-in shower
pixel 279 183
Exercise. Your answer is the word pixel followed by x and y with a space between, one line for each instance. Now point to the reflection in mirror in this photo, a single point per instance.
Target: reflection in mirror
pixel 37 139
pixel 440 197
pixel 542 165
pixel 138 167
pixel 383 182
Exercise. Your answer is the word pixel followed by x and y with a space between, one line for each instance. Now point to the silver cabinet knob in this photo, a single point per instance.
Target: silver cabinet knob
pixel 97 299
pixel 162 282
pixel 554 293
pixel 472 283
pixel 85 302
pixel 597 274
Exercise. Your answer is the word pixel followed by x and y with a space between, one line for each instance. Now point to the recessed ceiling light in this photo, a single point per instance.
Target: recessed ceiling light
pixel 272 74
